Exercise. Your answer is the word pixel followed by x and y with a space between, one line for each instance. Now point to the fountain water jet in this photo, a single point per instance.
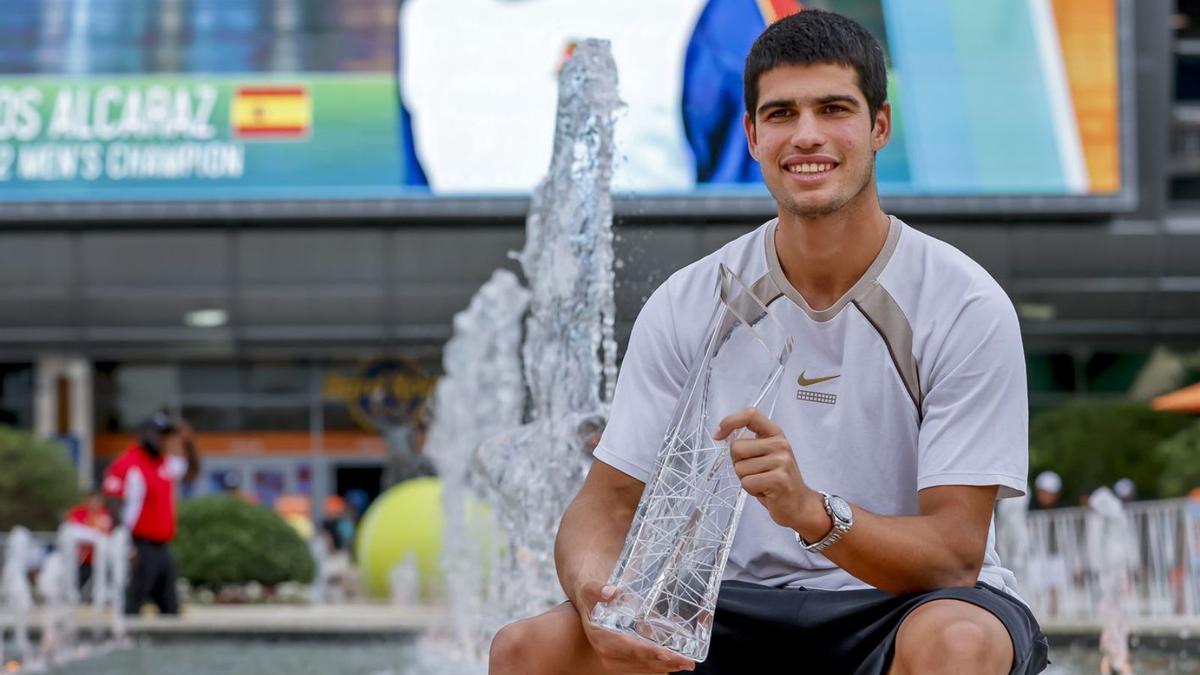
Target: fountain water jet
pixel 1111 544
pixel 16 589
pixel 481 393
pixel 532 472
pixel 58 590
pixel 528 472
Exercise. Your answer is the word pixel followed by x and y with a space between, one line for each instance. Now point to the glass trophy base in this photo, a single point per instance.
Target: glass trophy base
pixel 687 639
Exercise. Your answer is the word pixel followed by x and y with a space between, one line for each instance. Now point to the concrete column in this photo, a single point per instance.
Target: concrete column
pixel 63 407
pixel 45 396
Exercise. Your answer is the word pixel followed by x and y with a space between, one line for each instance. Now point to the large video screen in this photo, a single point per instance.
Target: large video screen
pixel 229 102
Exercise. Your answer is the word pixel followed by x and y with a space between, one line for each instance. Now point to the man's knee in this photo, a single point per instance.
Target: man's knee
pixel 549 643
pixel 951 639
pixel 552 643
pixel 511 649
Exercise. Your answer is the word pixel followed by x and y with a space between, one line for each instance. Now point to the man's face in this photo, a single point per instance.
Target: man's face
pixel 169 442
pixel 812 134
pixel 172 442
pixel 1046 498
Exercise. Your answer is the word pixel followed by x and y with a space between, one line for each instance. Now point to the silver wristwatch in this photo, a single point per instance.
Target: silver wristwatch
pixel 843 517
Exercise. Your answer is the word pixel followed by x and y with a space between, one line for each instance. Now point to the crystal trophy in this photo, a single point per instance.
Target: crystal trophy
pixel 670 568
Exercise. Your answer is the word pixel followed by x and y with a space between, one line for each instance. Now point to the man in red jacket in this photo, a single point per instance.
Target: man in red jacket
pixel 143 478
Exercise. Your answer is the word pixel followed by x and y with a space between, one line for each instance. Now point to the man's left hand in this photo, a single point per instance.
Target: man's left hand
pixel 764 463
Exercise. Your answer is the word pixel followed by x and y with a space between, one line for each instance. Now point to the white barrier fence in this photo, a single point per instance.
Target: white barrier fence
pixel 50 602
pixel 1060 569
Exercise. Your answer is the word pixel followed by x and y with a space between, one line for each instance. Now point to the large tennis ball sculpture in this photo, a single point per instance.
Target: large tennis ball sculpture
pixel 405 519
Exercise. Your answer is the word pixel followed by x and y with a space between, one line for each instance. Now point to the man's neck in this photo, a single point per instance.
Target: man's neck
pixel 824 256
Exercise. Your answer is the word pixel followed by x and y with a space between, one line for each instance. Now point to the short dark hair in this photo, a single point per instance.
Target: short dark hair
pixel 815 36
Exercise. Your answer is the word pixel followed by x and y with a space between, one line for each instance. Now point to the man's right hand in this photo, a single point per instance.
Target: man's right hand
pixel 622 653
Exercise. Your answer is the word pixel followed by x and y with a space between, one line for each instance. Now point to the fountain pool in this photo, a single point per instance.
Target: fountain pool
pixel 397 657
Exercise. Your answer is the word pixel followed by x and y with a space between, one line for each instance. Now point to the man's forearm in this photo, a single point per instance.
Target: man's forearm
pixel 905 554
pixel 944 546
pixel 589 541
pixel 193 461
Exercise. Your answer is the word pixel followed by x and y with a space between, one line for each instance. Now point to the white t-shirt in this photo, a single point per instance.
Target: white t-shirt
pixel 919 381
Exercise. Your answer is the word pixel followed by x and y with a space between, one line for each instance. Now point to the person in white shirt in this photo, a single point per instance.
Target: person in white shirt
pixel 868 544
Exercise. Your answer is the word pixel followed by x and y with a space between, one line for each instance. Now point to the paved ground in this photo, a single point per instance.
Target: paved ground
pixel 282 620
pixel 1176 627
pixel 380 618
pixel 393 620
pixel 362 619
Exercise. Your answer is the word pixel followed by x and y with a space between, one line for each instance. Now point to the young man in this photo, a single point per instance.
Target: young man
pixel 867 546
pixel 143 480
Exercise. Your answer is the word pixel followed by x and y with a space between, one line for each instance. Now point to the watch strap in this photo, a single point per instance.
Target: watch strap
pixel 839 529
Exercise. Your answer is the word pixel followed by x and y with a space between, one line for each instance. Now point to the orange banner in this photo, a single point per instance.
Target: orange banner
pixel 248 444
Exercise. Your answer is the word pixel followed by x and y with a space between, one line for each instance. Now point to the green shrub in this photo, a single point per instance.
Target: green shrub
pixel 1180 457
pixel 1092 444
pixel 224 540
pixel 37 481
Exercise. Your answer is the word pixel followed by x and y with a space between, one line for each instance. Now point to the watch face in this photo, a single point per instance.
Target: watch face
pixel 841 509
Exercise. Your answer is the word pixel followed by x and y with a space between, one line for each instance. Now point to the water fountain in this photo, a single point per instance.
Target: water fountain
pixel 1110 545
pixel 569 353
pixel 16 589
pixel 1123 571
pixel 321 589
pixel 528 472
pixel 481 393
pixel 110 570
pixel 57 590
pixel 404 582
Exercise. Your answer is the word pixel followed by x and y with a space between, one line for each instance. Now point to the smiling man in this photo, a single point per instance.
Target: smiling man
pixel 868 546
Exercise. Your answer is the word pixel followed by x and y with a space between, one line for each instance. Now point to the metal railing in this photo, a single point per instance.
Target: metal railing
pixel 1060 571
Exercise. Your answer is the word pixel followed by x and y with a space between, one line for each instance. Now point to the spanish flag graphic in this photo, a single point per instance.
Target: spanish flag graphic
pixel 271 112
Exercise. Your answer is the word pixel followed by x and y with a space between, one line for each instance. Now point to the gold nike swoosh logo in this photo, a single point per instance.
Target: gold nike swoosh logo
pixel 804 382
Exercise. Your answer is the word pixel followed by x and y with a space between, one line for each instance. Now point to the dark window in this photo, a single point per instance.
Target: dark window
pixel 278 379
pixel 16 395
pixel 1113 373
pixel 200 379
pixel 206 418
pixel 339 418
pixel 127 393
pixel 275 418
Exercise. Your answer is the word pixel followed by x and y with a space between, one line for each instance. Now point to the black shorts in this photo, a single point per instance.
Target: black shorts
pixel 760 629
